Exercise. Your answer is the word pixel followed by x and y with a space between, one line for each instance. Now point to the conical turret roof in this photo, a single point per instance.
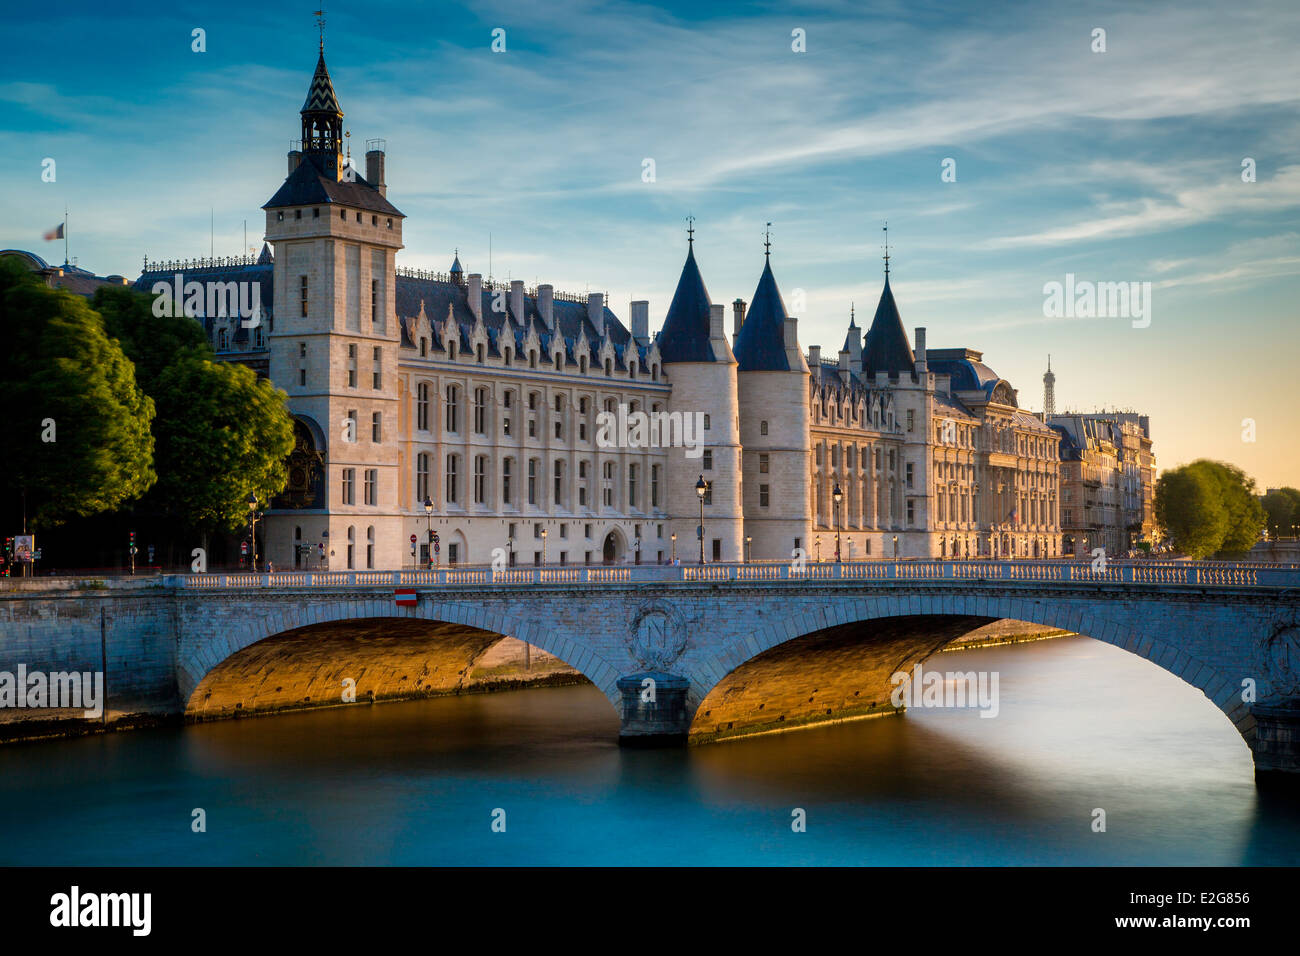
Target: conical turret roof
pixel 320 95
pixel 760 347
pixel 685 335
pixel 887 349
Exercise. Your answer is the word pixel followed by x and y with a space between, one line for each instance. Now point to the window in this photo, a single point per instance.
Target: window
pixel 708 493
pixel 453 408
pixel 654 486
pixel 352 543
pixel 911 419
pixel 352 425
pixel 450 486
pixel 708 423
pixel 376 427
pixel 352 366
pixel 371 485
pixel 349 479
pixel 559 483
pixel 480 479
pixel 631 486
pixel 908 472
pixel 422 406
pixel 480 411
pixel 708 459
pixel 717 549
pixel 453 553
pixel 315 213
pixel 762 496
pixel 302 350
pixel 607 490
pixel 762 464
pixel 374 299
pixel 377 364
pixel 302 376
pixel 421 477
pixel 762 428
pixel 505 483
pixel 532 481
pixel 302 294
pixel 370 547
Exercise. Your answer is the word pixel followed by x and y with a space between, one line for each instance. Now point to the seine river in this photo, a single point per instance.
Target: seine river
pixel 1081 726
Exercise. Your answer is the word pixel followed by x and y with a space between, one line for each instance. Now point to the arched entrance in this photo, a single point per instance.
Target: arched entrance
pixel 612 551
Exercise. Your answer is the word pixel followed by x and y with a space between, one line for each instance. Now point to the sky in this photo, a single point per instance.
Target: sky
pixel 1002 146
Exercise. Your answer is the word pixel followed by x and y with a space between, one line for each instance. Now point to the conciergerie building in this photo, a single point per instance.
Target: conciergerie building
pixel 473 409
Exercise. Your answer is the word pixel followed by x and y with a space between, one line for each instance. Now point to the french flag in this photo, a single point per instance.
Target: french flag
pixel 55 233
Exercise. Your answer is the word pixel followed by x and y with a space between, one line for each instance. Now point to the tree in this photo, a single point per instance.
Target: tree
pixel 152 342
pixel 224 434
pixel 1282 510
pixel 1209 508
pixel 75 432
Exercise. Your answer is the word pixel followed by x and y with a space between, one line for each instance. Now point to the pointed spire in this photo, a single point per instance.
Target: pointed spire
pixel 886 251
pixel 760 347
pixel 887 348
pixel 767 242
pixel 265 258
pixel 685 335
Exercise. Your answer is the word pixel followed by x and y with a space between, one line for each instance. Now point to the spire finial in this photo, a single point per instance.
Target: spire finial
pixel 852 314
pixel 886 248
pixel 690 230
pixel 767 242
pixel 320 23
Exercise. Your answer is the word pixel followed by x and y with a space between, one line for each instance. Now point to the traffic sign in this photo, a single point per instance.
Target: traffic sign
pixel 412 539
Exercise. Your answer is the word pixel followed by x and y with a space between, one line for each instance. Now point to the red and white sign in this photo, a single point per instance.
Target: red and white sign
pixel 405 597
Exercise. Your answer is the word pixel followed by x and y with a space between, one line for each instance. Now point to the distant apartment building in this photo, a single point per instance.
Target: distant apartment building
pixel 1107 481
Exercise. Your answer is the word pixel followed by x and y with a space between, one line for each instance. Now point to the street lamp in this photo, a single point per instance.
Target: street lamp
pixel 895 547
pixel 510 552
pixel 838 496
pixel 252 528
pixel 749 549
pixel 636 546
pixel 701 488
pixel 428 528
pixel 673 536
pixel 543 546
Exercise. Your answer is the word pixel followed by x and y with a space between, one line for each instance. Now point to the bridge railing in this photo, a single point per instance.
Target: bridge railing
pixel 1189 573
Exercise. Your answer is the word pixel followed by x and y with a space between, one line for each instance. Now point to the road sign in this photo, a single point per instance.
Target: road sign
pixel 412 539
pixel 243 547
pixel 405 597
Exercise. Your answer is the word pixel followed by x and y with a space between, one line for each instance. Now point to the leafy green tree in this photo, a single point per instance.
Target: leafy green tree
pixel 224 434
pixel 1282 510
pixel 66 380
pixel 152 342
pixel 1209 508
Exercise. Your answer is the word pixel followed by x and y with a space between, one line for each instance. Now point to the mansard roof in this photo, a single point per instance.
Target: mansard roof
pixel 311 183
pixel 685 333
pixel 760 346
pixel 887 348
pixel 320 95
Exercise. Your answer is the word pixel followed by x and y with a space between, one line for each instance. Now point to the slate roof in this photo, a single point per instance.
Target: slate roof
pixel 887 348
pixel 760 346
pixel 966 374
pixel 311 184
pixel 685 333
pixel 320 95
pixel 262 273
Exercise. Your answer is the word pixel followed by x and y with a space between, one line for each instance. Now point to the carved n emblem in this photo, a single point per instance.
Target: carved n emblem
pixel 658 637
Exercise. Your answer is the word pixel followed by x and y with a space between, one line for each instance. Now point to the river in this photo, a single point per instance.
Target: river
pixel 1081 726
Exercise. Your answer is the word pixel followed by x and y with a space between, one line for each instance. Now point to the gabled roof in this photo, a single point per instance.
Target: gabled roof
pixel 685 333
pixel 320 95
pixel 887 348
pixel 760 347
pixel 311 183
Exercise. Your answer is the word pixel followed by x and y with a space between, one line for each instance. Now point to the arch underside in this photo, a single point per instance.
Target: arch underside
pixel 386 658
pixel 838 673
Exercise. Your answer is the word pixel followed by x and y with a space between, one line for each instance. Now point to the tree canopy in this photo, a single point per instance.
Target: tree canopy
pixel 1282 511
pixel 76 429
pixel 1209 508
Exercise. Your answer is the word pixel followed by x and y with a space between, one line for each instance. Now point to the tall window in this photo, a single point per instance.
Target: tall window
pixel 371 486
pixel 532 481
pixel 376 378
pixel 631 486
pixel 480 479
pixel 421 477
pixel 708 459
pixel 505 480
pixel 302 294
pixel 450 486
pixel 422 406
pixel 453 408
pixel 654 486
pixel 376 427
pixel 762 464
pixel 374 299
pixel 607 489
pixel 762 428
pixel 349 486
pixel 370 547
pixel 480 411
pixel 352 544
pixel 559 483
pixel 352 366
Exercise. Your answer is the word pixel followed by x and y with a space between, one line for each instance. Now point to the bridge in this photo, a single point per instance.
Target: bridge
pixel 698 653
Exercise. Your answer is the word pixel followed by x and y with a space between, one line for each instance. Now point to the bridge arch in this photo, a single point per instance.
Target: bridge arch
pixel 861 643
pixel 288 646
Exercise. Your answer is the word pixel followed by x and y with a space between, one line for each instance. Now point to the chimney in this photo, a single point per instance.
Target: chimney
pixel 790 336
pixel 295 157
pixel 546 305
pixel 596 313
pixel 517 300
pixel 475 295
pixel 738 315
pixel 919 352
pixel 814 356
pixel 844 366
pixel 717 312
pixel 375 170
pixel 640 316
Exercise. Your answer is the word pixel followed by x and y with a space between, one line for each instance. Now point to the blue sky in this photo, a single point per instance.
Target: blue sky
pixel 1115 166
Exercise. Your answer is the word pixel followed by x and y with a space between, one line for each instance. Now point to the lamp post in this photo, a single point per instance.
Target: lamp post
pixel 895 547
pixel 428 528
pixel 838 496
pixel 510 552
pixel 749 550
pixel 543 546
pixel 636 546
pixel 673 537
pixel 252 529
pixel 701 488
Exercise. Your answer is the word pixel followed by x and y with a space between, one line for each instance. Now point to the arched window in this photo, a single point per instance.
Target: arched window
pixel 421 478
pixel 422 406
pixel 453 408
pixel 352 544
pixel 480 411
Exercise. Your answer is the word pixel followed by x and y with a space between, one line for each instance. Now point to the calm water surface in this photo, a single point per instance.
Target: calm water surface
pixel 1082 725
